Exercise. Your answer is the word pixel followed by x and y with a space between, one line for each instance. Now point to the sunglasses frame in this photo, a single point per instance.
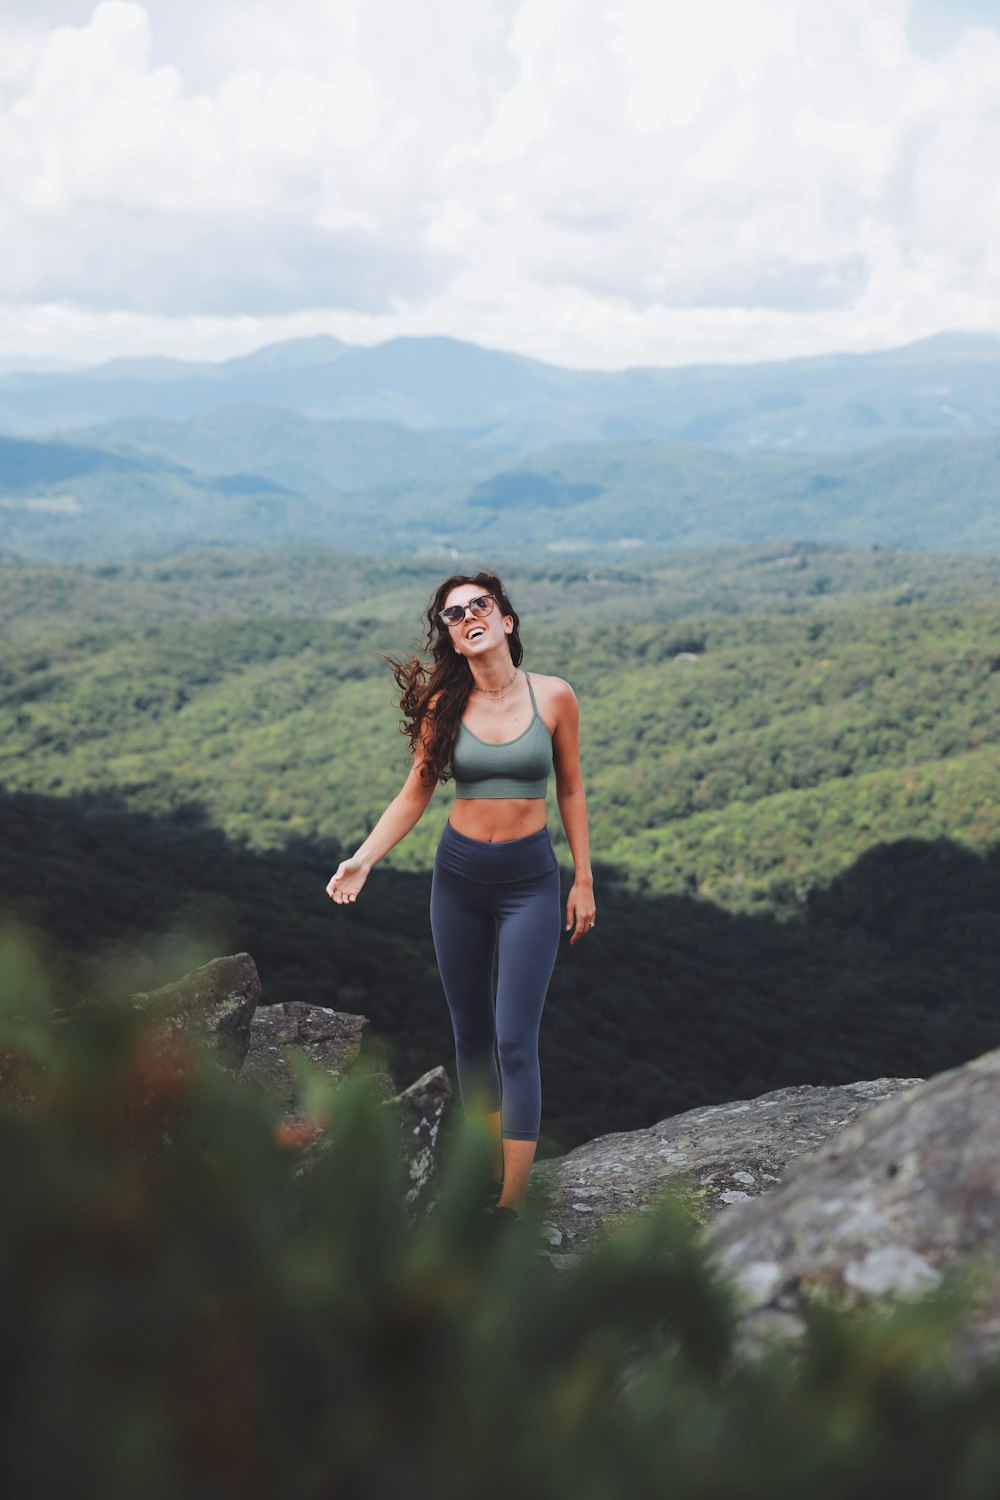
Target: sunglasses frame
pixel 477 614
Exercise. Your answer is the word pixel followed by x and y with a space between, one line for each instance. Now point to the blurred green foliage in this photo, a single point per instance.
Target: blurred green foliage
pixel 192 1309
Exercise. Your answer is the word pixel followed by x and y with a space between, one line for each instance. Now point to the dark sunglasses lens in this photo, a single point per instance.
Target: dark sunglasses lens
pixel 456 612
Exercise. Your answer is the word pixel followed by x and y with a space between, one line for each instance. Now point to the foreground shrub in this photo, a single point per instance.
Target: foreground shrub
pixel 198 1307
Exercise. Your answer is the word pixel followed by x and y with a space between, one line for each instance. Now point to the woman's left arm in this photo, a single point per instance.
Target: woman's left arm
pixel 572 801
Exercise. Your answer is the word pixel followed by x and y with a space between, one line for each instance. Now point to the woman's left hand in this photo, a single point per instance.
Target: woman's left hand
pixel 580 907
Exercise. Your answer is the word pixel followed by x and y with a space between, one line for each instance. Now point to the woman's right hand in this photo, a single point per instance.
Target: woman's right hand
pixel 345 884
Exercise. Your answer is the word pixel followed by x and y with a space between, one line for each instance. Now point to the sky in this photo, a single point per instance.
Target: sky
pixel 596 183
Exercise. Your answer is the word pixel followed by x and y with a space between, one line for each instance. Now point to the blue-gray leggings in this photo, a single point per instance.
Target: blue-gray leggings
pixel 486 897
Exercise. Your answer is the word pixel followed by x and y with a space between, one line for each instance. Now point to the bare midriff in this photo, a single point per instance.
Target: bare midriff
pixel 497 819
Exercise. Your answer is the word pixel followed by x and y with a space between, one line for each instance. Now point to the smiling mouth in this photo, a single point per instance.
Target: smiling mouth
pixel 475 635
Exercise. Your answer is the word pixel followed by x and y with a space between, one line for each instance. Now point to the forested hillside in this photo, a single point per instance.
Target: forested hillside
pixel 772 577
pixel 790 759
pixel 257 478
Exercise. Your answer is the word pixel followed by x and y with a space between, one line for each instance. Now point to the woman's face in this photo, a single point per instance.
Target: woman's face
pixel 477 635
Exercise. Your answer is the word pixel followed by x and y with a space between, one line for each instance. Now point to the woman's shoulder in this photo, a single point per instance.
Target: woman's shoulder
pixel 554 692
pixel 551 684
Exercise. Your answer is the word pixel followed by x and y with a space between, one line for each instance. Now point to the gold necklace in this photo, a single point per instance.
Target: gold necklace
pixel 498 692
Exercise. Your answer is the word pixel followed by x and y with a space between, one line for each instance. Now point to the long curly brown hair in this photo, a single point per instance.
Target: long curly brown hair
pixel 449 675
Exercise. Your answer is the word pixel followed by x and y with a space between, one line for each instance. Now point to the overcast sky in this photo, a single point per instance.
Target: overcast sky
pixel 593 182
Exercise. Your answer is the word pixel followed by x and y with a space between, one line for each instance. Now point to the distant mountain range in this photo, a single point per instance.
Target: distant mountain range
pixel 948 385
pixel 431 444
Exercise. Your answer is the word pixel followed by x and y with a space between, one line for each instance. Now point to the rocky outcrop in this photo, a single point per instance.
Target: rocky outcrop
pixel 857 1193
pixel 716 1155
pixel 421 1109
pixel 329 1039
pixel 219 1001
pixel 216 1001
pixel 422 1106
pixel 882 1208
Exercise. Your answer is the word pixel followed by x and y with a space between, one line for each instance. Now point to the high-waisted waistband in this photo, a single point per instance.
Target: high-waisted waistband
pixel 512 859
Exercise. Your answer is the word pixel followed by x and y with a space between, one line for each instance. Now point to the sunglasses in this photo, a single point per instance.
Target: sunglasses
pixel 455 613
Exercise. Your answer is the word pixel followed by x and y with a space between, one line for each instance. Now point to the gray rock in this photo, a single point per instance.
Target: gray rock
pixel 219 1001
pixel 879 1210
pixel 214 1004
pixel 422 1108
pixel 716 1155
pixel 216 1001
pixel 328 1038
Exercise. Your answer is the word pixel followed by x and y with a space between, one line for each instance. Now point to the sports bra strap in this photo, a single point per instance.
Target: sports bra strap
pixel 532 692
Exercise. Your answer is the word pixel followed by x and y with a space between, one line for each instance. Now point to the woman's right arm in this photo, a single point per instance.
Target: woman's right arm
pixel 403 813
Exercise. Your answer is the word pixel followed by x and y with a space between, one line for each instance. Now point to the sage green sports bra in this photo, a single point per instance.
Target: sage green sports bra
pixel 514 768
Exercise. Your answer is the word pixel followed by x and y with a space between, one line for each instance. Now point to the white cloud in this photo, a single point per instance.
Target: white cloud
pixel 598 182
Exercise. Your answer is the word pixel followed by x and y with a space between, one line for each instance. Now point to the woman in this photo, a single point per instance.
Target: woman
pixel 476 716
